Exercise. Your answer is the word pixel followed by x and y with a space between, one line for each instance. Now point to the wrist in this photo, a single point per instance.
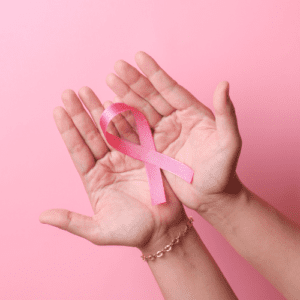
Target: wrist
pixel 170 239
pixel 224 210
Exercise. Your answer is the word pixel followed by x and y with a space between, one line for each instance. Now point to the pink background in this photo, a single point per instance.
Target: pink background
pixel 49 46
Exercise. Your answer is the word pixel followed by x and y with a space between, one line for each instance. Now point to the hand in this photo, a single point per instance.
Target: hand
pixel 117 185
pixel 184 129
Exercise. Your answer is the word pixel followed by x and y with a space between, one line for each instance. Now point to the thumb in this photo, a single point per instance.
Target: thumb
pixel 81 225
pixel 225 115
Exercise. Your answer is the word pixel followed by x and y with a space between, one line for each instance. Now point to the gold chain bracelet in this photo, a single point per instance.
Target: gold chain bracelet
pixel 169 247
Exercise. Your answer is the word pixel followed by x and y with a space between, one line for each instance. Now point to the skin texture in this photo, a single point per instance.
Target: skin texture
pixel 117 185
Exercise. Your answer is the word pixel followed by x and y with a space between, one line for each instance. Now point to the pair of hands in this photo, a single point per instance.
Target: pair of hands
pixel 117 185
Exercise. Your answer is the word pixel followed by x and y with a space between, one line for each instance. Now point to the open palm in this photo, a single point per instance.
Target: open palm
pixel 184 129
pixel 117 185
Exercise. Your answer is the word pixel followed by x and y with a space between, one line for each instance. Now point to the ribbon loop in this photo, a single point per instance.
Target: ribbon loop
pixel 146 151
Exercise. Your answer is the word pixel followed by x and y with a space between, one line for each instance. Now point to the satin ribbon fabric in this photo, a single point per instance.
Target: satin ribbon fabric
pixel 146 151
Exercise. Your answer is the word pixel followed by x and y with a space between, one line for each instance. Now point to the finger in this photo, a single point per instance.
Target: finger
pixel 127 114
pixel 78 224
pixel 122 126
pixel 142 87
pixel 111 128
pixel 226 119
pixel 84 124
pixel 80 153
pixel 95 108
pixel 176 95
pixel 128 96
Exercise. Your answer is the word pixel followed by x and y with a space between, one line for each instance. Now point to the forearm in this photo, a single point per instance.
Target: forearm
pixel 266 238
pixel 188 271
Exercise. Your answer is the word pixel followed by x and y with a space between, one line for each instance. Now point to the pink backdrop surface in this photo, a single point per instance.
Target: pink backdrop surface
pixel 49 46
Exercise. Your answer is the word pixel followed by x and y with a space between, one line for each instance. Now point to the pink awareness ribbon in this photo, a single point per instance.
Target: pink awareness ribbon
pixel 145 152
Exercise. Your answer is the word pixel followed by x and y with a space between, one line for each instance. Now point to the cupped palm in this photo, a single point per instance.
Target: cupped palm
pixel 116 184
pixel 184 129
pixel 119 192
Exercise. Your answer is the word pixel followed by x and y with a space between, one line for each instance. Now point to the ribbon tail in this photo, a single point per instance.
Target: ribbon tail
pixel 157 191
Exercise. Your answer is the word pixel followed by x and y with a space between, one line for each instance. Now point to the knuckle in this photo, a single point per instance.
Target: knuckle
pixel 92 134
pixel 77 148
